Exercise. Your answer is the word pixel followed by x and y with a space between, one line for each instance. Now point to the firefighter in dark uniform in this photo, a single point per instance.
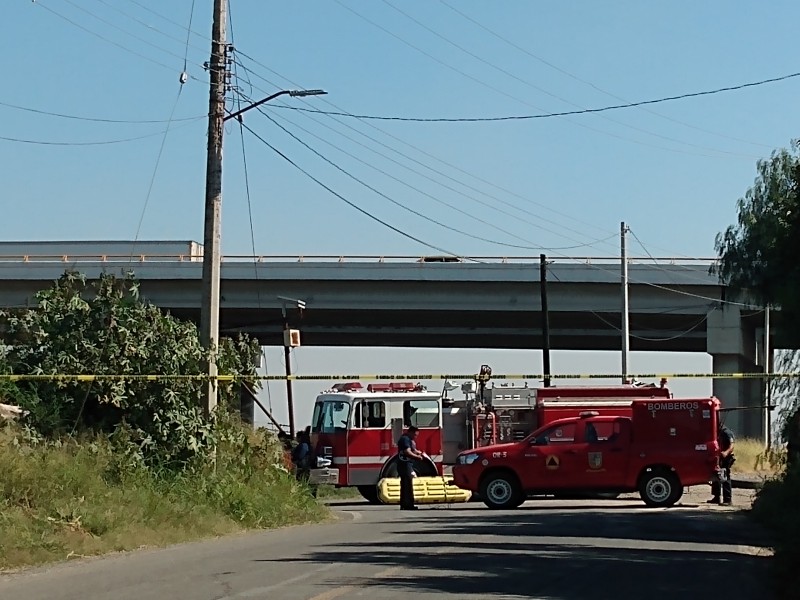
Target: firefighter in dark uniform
pixel 407 453
pixel 725 439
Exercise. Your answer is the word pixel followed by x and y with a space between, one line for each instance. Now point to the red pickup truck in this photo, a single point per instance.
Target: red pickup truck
pixel 660 447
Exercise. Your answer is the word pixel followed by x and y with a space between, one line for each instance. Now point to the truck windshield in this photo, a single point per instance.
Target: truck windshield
pixel 330 416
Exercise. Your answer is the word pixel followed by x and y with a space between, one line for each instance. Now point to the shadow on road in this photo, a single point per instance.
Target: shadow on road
pixel 591 554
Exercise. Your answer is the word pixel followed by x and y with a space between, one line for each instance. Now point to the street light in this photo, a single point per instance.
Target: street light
pixel 293 93
pixel 212 238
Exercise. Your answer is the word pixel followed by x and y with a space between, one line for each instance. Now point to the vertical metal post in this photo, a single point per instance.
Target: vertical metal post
pixel 287 359
pixel 209 307
pixel 767 382
pixel 545 319
pixel 623 230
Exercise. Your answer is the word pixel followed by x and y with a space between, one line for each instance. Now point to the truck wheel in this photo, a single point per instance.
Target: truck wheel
pixel 370 493
pixel 660 488
pixel 501 490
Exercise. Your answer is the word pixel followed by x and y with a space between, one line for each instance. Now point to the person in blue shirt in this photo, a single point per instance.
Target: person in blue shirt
pixel 726 459
pixel 303 458
pixel 407 453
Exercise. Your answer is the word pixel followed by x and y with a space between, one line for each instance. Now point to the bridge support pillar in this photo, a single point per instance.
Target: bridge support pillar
pixel 732 347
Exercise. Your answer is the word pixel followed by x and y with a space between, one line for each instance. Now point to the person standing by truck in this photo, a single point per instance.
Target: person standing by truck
pixel 725 439
pixel 407 454
pixel 303 459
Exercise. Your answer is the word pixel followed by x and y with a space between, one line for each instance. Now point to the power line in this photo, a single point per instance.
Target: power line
pixel 589 83
pixel 155 29
pixel 171 21
pixel 105 39
pixel 489 205
pixel 155 169
pixel 731 88
pixel 95 143
pixel 348 202
pixel 163 143
pixel 458 181
pixel 507 95
pixel 411 210
pixel 423 152
pixel 508 73
pixel 249 201
pixel 125 31
pixel 649 339
pixel 432 197
pixel 98 119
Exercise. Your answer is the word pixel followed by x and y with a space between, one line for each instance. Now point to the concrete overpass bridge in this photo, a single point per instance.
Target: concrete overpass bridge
pixel 412 301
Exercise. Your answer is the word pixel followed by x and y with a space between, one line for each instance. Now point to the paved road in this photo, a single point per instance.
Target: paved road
pixel 554 550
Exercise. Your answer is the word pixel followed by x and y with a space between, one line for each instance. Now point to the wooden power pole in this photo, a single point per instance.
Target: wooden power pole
pixel 209 308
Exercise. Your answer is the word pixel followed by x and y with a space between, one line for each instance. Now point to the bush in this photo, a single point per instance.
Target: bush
pixel 106 329
pixel 776 506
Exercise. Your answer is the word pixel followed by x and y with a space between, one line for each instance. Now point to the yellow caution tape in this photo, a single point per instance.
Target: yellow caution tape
pixel 427 490
pixel 386 377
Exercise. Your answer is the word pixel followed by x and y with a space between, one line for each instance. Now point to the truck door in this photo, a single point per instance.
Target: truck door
pixel 603 452
pixel 369 442
pixel 550 459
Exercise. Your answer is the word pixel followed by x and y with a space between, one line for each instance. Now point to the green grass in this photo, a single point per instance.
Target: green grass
pixel 72 499
pixel 329 491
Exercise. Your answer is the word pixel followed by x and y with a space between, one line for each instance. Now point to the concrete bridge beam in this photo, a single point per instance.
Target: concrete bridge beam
pixel 731 342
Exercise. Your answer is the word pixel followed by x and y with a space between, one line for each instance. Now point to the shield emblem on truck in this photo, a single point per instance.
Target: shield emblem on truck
pixel 595 460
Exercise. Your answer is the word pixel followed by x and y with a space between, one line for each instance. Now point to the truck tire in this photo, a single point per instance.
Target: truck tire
pixel 501 491
pixel 660 488
pixel 370 493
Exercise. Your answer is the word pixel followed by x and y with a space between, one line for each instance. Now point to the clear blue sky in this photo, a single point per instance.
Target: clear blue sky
pixel 673 171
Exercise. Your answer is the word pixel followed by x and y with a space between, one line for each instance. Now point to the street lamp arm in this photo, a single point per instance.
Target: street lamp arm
pixel 300 93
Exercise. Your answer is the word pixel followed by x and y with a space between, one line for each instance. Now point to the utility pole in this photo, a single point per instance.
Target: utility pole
pixel 623 230
pixel 545 319
pixel 209 308
pixel 767 386
pixel 287 359
pixel 291 339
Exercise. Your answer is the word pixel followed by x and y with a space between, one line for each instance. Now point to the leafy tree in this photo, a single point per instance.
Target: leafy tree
pixel 105 328
pixel 758 255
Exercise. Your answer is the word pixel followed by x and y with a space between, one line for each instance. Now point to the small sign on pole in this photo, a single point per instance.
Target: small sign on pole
pixel 291 338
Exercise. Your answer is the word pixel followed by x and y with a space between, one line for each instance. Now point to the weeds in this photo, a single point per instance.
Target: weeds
pixel 753 458
pixel 80 497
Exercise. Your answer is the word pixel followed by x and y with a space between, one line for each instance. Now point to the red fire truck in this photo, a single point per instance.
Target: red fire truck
pixel 357 427
pixel 662 446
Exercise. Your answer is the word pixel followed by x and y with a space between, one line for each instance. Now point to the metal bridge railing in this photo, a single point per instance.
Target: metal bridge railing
pixel 327 258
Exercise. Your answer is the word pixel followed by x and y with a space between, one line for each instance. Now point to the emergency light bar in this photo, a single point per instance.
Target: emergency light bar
pixel 350 386
pixel 399 386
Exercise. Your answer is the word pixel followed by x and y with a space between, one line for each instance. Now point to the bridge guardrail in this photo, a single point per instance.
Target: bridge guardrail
pixel 422 260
